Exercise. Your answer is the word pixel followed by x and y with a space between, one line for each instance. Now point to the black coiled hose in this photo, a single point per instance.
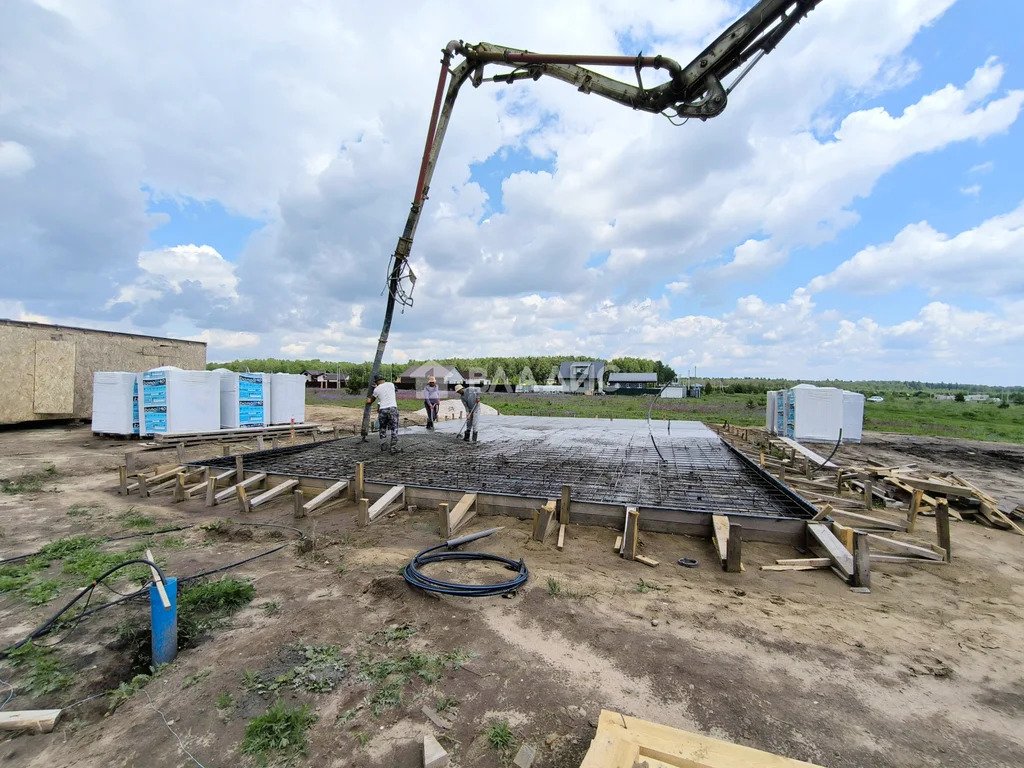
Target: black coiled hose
pixel 416 578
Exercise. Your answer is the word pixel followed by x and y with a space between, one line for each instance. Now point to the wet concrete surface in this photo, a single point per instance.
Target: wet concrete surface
pixel 681 464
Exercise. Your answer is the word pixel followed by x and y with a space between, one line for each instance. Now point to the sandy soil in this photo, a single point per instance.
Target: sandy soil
pixel 924 671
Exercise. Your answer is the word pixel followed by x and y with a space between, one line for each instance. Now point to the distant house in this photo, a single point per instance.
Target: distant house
pixel 325 380
pixel 416 376
pixel 876 399
pixel 977 398
pixel 581 376
pixel 632 381
pixel 945 397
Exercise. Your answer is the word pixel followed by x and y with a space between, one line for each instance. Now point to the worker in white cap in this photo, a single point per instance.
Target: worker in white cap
pixel 431 401
pixel 471 402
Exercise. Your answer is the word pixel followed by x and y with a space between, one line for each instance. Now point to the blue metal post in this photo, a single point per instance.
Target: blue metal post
pixel 165 622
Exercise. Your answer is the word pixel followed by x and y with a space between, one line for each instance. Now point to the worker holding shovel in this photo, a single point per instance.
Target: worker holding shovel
pixel 387 411
pixel 470 397
pixel 431 401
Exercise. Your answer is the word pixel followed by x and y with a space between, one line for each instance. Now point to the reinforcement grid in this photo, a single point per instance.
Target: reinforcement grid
pixel 697 474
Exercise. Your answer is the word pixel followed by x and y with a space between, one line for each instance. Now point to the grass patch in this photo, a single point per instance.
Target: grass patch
pixel 270 608
pixel 500 737
pixel 45 672
pixel 320 671
pixel 648 586
pixel 390 675
pixel 445 703
pixel 554 587
pixel 392 634
pixel 82 510
pixel 225 701
pixel 30 482
pixel 127 689
pixel 198 677
pixel 172 542
pixel 216 597
pixel 133 519
pixel 280 733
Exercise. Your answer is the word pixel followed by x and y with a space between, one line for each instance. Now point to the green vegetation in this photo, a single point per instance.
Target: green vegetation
pixel 134 519
pixel 393 634
pixel 270 608
pixel 216 597
pixel 225 701
pixel 499 737
pixel 30 482
pixel 648 586
pixel 82 510
pixel 554 587
pixel 320 670
pixel 198 677
pixel 127 689
pixel 445 703
pixel 280 733
pixel 45 673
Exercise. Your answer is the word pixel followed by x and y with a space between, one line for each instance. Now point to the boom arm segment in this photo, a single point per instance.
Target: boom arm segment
pixel 696 90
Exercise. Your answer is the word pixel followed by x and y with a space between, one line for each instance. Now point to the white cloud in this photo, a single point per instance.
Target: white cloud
pixel 227 340
pixel 15 310
pixel 15 159
pixel 985 260
pixel 985 167
pixel 972 191
pixel 199 269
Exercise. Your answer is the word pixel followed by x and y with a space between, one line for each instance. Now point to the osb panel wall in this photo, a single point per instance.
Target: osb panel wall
pixel 93 351
pixel 54 378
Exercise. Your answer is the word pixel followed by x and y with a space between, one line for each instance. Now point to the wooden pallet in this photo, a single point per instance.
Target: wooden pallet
pixel 234 435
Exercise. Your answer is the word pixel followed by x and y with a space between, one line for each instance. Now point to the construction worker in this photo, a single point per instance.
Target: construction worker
pixel 470 397
pixel 431 401
pixel 387 411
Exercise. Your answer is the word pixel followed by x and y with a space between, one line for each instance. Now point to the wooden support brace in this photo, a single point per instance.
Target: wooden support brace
pixel 179 487
pixel 561 537
pixel 844 534
pixel 465 510
pixel 942 528
pixel 861 560
pixel 910 549
pixel 260 444
pixel 272 493
pixel 363 518
pixel 841 559
pixel 720 536
pixel 630 533
pixel 868 491
pixel 733 556
pixel 232 490
pixel 864 521
pixel 324 496
pixel 297 499
pixel 443 522
pixel 542 522
pixel 181 452
pixel 397 493
pixel 360 487
pixel 239 468
pixel 563 510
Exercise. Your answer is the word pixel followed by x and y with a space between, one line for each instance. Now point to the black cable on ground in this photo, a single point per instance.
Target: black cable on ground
pixel 416 578
pixel 838 441
pixel 86 593
pixel 107 540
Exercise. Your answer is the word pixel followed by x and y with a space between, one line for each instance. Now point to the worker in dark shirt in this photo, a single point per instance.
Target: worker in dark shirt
pixel 470 397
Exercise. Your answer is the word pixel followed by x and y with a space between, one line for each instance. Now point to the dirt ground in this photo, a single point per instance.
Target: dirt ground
pixel 924 671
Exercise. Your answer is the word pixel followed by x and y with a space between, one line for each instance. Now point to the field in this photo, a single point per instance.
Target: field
pixel 901 415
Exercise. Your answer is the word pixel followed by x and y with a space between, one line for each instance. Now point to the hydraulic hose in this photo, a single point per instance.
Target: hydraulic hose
pixel 418 579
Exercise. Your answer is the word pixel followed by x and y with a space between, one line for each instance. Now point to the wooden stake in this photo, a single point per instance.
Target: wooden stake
pixel 561 537
pixel 733 559
pixel 868 491
pixel 274 442
pixel 444 525
pixel 129 463
pixel 260 444
pixel 631 533
pixel 239 469
pixel 181 453
pixel 179 487
pixel 762 459
pixel 297 501
pixel 122 481
pixel 211 491
pixel 915 507
pixel 226 450
pixel 563 512
pixel 158 582
pixel 861 560
pixel 942 527
pixel 360 489
pixel 363 519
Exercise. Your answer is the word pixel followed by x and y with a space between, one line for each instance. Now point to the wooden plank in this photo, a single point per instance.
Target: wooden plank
pixel 945 489
pixel 811 567
pixel 902 546
pixel 148 484
pixel 733 555
pixel 915 507
pixel 942 528
pixel 363 518
pixel 465 510
pixel 844 534
pixel 822 562
pixel 991 510
pixel 360 488
pixel 720 536
pixel 649 561
pixel 380 505
pixel 866 521
pixel 861 560
pixel 563 510
pixel 272 493
pixel 38 720
pixel 561 537
pixel 323 497
pixel 164 600
pixel 808 453
pixel 618 544
pixel 232 490
pixel 841 558
pixel 824 512
pixel 909 559
pixel 444 521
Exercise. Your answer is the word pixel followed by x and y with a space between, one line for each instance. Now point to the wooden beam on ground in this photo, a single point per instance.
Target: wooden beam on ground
pixel 813 564
pixel 822 562
pixel 807 453
pixel 733 557
pixel 232 490
pixel 618 544
pixel 272 493
pixel 866 521
pixel 375 510
pixel 148 485
pixel 944 489
pixel 463 512
pixel 630 533
pixel 841 558
pixel 561 537
pixel 861 560
pixel 543 519
pixel 902 546
pixel 38 720
pixel 324 496
pixel 648 561
pixel 720 536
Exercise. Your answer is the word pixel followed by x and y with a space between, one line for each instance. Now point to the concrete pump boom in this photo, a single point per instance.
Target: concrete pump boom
pixel 696 90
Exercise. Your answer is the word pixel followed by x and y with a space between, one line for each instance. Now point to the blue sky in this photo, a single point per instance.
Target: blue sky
pixel 192 185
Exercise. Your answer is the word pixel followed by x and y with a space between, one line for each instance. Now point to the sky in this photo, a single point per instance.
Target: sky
pixel 239 173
